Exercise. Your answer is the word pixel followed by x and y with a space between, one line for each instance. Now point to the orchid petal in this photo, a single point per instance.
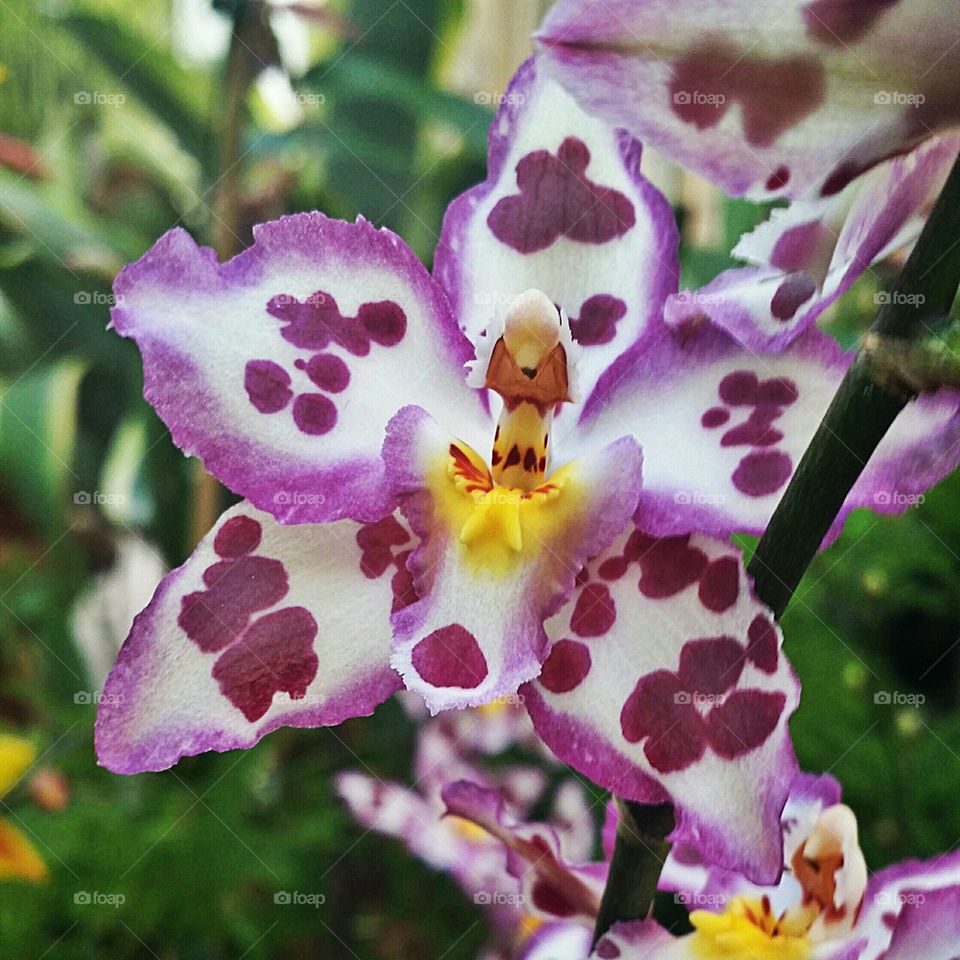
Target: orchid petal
pixel 494 563
pixel 264 626
pixel 671 685
pixel 805 256
pixel 551 885
pixel 912 909
pixel 559 940
pixel 564 209
pixel 792 101
pixel 723 429
pixel 281 367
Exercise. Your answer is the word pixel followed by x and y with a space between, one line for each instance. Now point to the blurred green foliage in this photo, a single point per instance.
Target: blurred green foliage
pixel 198 852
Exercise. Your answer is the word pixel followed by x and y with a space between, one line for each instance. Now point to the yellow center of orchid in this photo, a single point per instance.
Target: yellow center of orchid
pixel 505 511
pixel 748 928
pixel 829 867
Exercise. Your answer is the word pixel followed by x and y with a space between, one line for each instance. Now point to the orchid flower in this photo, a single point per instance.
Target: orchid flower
pixel 456 745
pixel 796 98
pixel 19 859
pixel 475 534
pixel 826 906
pixel 807 255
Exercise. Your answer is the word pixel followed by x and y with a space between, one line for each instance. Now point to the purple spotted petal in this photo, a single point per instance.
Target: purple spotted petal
pixel 281 368
pixel 264 626
pixel 474 859
pixel 913 909
pixel 552 887
pixel 723 428
pixel 684 696
pixel 564 210
pixel 703 885
pixel 763 101
pixel 477 633
pixel 810 253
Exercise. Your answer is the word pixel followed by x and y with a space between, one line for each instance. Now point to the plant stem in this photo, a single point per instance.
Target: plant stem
pixel 862 410
pixel 638 857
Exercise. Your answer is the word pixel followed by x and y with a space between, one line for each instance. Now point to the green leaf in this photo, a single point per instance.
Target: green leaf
pixel 38 432
pixel 174 95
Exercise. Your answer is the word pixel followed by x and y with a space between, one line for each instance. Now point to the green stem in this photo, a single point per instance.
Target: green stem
pixel 638 857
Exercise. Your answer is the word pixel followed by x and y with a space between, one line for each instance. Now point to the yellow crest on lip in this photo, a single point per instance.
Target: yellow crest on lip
pixel 500 528
pixel 747 928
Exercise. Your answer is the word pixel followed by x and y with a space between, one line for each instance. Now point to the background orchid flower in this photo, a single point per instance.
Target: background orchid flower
pixel 795 98
pixel 464 744
pixel 19 859
pixel 404 520
pixel 826 907
pixel 807 255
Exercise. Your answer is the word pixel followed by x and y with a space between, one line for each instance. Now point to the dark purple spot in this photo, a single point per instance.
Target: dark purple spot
pixel 774 95
pixel 779 178
pixel 756 431
pixel 513 457
pixel 715 417
pixel 384 321
pixel 450 657
pixel 530 460
pixel 566 667
pixel 313 413
pixel 720 584
pixel 607 950
pixel 267 385
pixel 710 666
pixel 377 541
pixel 762 648
pixel 669 566
pixel 838 23
pixel 762 472
pixel 744 721
pixel 613 568
pixel 239 535
pixel 595 612
pixel 797 248
pixel 328 372
pixel 401 585
pixel 274 655
pixel 660 709
pixel 556 199
pixel 316 322
pixel 597 323
pixel 792 294
pixel 236 589
pixel 550 899
pixel 743 388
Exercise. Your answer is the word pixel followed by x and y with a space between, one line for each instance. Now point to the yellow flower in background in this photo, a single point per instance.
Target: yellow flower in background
pixel 18 857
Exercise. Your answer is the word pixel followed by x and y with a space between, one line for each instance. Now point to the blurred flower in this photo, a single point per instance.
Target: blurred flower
pixel 797 100
pixel 49 790
pixel 452 746
pixel 19 859
pixel 103 613
pixel 615 611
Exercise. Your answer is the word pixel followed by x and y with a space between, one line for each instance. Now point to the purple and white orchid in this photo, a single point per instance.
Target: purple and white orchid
pixel 473 534
pixel 795 98
pixel 826 906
